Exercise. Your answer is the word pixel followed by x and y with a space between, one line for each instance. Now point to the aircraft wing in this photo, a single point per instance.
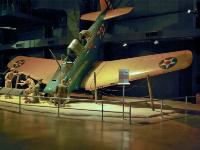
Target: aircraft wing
pixel 107 72
pixel 37 68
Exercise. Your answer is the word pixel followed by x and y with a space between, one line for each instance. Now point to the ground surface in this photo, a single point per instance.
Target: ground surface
pixel 80 130
pixel 30 132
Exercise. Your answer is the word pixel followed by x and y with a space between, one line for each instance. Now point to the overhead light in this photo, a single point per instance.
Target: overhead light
pixel 8 28
pixel 125 44
pixel 189 11
pixel 156 42
pixel 194 11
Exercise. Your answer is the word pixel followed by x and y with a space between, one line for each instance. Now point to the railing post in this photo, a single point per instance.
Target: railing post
pixel 102 111
pixel 186 102
pixel 130 114
pixel 95 87
pixel 161 108
pixel 58 107
pixel 123 93
pixel 19 103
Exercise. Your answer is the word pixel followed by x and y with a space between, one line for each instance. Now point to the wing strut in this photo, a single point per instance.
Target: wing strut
pixel 150 93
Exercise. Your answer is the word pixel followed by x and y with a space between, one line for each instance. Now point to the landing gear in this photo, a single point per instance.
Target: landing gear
pixel 61 93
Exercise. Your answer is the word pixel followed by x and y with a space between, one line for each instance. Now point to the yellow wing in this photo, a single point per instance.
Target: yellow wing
pixel 37 68
pixel 107 72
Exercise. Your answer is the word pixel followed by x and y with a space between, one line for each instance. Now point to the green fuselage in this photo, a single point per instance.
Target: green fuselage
pixel 73 76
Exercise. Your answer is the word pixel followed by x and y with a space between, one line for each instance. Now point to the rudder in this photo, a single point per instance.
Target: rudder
pixel 105 4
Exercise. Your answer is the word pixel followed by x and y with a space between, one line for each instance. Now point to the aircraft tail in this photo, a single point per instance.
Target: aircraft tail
pixel 105 4
pixel 111 13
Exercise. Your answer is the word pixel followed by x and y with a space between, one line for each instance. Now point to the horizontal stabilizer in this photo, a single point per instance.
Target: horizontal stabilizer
pixel 109 15
pixel 117 12
pixel 91 16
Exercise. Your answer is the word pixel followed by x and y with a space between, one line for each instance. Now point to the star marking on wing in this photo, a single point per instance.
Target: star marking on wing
pixel 168 63
pixel 18 63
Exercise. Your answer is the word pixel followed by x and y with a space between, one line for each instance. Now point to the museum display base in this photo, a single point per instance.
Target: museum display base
pixel 140 113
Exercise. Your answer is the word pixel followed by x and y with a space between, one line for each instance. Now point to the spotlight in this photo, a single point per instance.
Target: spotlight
pixel 125 45
pixel 192 11
pixel 189 11
pixel 156 42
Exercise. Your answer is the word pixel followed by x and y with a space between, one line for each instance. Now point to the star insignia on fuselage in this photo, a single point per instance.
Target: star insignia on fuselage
pixel 91 45
pixel 168 63
pixel 101 31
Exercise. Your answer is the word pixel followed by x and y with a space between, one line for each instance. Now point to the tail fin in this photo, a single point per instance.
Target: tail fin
pixel 105 4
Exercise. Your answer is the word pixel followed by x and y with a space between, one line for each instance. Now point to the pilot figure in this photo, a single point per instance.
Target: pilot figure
pixel 9 77
pixel 84 36
pixel 37 92
pixel 30 89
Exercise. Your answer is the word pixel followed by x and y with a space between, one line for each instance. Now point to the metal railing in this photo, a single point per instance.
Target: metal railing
pixel 59 106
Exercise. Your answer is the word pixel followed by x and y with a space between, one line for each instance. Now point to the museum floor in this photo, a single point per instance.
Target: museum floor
pixel 27 132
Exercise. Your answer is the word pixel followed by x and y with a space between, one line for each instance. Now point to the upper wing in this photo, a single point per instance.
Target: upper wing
pixel 37 68
pixel 107 72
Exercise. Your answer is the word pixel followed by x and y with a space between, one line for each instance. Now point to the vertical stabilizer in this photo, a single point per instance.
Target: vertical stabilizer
pixel 105 4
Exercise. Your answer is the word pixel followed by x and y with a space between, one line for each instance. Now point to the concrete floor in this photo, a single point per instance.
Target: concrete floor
pixel 27 132
pixel 31 130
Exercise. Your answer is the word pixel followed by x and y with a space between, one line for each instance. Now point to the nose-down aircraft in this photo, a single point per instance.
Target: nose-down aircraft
pixel 80 72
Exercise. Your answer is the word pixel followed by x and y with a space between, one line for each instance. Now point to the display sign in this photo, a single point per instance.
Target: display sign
pixel 124 76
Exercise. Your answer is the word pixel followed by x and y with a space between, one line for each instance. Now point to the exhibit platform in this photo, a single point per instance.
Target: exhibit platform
pixel 138 111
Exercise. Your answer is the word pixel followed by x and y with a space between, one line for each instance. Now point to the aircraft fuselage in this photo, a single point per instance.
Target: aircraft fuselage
pixel 72 77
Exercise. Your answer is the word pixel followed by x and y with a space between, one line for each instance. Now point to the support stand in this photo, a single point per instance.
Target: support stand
pixel 123 96
pixel 150 93
pixel 123 80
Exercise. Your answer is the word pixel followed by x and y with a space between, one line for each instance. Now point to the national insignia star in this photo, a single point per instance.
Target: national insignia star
pixel 168 63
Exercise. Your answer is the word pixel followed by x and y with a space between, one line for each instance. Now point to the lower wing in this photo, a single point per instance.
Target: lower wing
pixel 107 72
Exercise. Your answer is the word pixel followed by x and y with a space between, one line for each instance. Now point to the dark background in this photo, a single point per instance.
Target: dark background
pixel 35 26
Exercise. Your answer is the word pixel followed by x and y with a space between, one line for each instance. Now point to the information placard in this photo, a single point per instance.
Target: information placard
pixel 123 76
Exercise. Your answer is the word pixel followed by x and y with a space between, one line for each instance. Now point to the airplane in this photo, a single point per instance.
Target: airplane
pixel 80 72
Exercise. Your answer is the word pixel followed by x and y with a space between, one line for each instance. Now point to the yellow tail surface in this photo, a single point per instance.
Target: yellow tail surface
pixel 105 4
pixel 111 13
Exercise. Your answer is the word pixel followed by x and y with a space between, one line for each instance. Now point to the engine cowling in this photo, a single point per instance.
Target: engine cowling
pixel 75 47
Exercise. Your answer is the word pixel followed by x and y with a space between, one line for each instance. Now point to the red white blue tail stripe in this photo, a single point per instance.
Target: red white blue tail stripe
pixel 109 4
